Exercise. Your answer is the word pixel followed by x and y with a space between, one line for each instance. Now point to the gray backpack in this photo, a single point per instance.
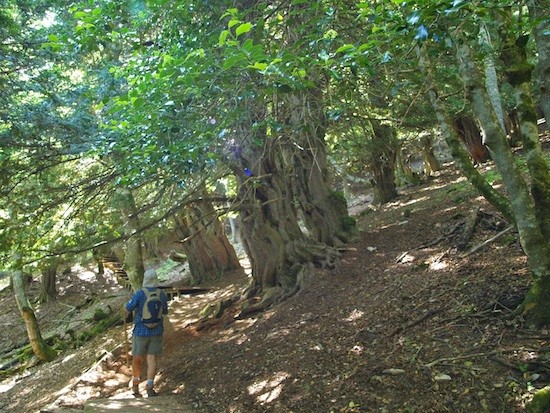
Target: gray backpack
pixel 152 309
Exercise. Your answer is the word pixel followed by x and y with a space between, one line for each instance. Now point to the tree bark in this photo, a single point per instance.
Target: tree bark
pixel 39 346
pixel 538 10
pixel 491 78
pixel 383 158
pixel 133 257
pixel 281 255
pixel 469 133
pixel 540 402
pixel 431 163
pixel 324 212
pixel 537 248
pixel 460 156
pixel 48 290
pixel 208 251
pixel 518 71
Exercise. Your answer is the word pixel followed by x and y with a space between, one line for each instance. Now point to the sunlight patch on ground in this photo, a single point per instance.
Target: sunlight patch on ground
pixel 84 273
pixel 450 209
pixel 235 333
pixel 394 224
pixel 405 258
pixel 179 389
pixel 436 262
pixel 403 203
pixel 268 390
pixel 354 315
pixel 282 332
pixel 69 357
pixel 7 385
pixel 443 185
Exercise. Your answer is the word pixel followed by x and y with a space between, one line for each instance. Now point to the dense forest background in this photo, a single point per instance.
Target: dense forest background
pixel 134 131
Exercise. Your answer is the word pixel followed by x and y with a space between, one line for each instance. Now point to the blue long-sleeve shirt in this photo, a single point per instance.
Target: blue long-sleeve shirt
pixel 136 303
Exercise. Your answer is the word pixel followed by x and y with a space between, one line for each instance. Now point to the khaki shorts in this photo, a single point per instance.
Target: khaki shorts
pixel 146 345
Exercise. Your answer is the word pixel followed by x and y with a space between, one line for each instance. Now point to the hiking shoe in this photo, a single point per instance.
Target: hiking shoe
pixel 151 392
pixel 135 389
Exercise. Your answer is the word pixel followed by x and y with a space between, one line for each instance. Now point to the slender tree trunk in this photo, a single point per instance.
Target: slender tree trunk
pixel 382 163
pixel 431 163
pixel 98 258
pixel 133 257
pixel 513 128
pixel 535 245
pixel 491 78
pixel 209 252
pixel 461 157
pixel 538 10
pixel 519 74
pixel 404 171
pixel 42 350
pixel 48 290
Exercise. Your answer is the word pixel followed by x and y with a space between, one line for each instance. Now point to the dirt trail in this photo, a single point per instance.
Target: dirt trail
pixel 406 323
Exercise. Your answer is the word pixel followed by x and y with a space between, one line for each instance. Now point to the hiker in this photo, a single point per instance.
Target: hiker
pixel 150 304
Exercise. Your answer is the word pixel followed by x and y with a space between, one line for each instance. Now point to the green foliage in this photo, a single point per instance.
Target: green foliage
pixel 167 267
pixel 100 314
pixel 338 197
pixel 348 223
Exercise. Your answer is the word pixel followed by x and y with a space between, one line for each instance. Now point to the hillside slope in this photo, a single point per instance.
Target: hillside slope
pixel 406 323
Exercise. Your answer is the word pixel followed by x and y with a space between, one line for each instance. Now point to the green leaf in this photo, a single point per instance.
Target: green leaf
pixel 345 48
pixel 231 61
pixel 335 74
pixel 233 22
pixel 243 28
pixel 259 66
pixel 257 141
pixel 167 59
pixel 223 37
pixel 137 102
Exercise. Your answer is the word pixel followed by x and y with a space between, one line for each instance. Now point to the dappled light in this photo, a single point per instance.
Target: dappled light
pixel 268 390
pixel 354 315
pixel 237 333
pixel 346 206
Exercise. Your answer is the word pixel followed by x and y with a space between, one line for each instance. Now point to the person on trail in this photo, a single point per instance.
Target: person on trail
pixel 150 304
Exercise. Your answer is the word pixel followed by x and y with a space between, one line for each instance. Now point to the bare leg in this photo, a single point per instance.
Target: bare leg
pixel 137 361
pixel 151 372
pixel 151 366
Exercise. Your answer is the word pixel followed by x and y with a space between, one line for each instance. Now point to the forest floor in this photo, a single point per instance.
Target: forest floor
pixel 407 322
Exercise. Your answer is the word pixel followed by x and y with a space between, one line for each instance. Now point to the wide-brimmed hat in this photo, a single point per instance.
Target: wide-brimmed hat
pixel 150 278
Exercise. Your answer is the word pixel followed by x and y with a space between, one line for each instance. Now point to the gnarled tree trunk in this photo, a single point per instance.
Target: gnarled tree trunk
pixel 208 251
pixel 280 254
pixel 324 211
